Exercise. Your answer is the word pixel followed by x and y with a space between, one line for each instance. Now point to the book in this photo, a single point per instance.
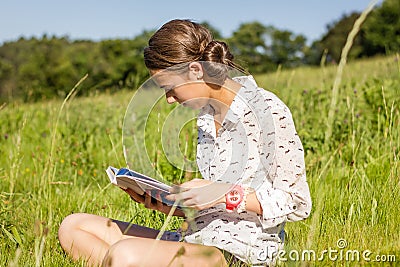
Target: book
pixel 139 183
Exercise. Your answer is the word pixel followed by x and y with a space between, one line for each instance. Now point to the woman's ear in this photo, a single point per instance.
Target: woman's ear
pixel 195 71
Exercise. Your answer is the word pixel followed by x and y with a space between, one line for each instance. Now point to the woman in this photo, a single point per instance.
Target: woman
pixel 249 155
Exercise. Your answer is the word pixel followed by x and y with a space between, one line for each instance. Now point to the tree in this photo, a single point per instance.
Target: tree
pixel 287 48
pixel 249 44
pixel 36 69
pixel 335 38
pixel 382 28
pixel 380 34
pixel 263 48
pixel 6 70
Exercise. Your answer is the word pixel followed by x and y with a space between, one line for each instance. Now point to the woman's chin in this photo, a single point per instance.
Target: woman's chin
pixel 191 105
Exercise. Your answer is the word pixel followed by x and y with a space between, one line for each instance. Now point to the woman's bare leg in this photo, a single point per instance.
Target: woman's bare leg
pixel 87 236
pixel 95 238
pixel 149 252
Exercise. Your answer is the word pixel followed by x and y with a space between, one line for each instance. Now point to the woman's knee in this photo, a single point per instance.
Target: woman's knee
pixel 67 227
pixel 213 257
pixel 139 252
pixel 70 222
pixel 122 253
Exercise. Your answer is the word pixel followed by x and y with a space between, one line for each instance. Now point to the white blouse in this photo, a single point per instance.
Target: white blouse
pixel 257 146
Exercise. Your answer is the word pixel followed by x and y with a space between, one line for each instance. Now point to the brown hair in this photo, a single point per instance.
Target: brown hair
pixel 184 41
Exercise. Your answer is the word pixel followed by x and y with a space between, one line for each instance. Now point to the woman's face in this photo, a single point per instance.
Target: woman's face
pixel 182 88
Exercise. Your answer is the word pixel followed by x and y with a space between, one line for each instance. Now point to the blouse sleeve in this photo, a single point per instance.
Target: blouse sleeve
pixel 285 195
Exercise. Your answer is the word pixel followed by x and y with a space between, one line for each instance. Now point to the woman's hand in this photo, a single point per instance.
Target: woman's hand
pixel 199 194
pixel 152 203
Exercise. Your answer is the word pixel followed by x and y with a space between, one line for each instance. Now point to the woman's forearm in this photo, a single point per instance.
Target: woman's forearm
pixel 252 203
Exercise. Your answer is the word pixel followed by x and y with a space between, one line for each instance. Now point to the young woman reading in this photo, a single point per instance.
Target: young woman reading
pixel 248 152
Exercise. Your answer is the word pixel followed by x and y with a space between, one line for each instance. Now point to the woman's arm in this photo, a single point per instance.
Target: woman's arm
pixel 285 196
pixel 252 203
pixel 202 194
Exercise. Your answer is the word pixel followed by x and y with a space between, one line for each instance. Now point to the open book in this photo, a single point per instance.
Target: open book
pixel 139 183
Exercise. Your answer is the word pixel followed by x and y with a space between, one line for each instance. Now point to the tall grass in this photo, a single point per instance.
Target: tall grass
pixel 342 63
pixel 353 176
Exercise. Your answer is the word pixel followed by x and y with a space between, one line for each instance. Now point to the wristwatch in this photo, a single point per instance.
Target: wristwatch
pixel 233 198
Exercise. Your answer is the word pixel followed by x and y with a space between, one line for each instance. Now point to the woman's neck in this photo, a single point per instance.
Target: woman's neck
pixel 222 98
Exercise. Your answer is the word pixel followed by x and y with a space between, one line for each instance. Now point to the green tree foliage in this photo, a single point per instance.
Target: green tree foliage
pixel 261 48
pixel 34 69
pixel 382 28
pixel 380 34
pixel 334 40
pixel 287 48
pixel 248 43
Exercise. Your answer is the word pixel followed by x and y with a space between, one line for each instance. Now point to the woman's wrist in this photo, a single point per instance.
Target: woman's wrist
pixel 222 200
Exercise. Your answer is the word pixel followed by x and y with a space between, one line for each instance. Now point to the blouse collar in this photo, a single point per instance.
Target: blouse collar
pixel 238 106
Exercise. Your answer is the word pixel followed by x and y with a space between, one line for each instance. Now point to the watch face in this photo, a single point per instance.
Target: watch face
pixel 234 197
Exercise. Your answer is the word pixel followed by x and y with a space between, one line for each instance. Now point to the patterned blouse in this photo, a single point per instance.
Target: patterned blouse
pixel 257 146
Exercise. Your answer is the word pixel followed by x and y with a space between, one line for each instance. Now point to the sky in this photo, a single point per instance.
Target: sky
pixel 102 19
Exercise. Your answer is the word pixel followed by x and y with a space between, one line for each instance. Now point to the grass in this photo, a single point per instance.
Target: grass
pixel 52 165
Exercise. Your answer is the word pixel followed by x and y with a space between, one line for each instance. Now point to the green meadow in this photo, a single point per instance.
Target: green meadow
pixel 54 155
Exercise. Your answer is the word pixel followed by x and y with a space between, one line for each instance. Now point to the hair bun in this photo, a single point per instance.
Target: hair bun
pixel 216 60
pixel 217 51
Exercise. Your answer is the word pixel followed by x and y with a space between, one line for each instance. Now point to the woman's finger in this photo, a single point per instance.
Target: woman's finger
pixel 136 197
pixel 189 194
pixel 175 189
pixel 160 205
pixel 191 204
pixel 147 200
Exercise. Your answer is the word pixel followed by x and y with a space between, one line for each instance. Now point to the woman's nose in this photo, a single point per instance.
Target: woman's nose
pixel 171 99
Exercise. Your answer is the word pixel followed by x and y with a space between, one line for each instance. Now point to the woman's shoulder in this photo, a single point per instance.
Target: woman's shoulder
pixel 270 99
pixel 259 97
